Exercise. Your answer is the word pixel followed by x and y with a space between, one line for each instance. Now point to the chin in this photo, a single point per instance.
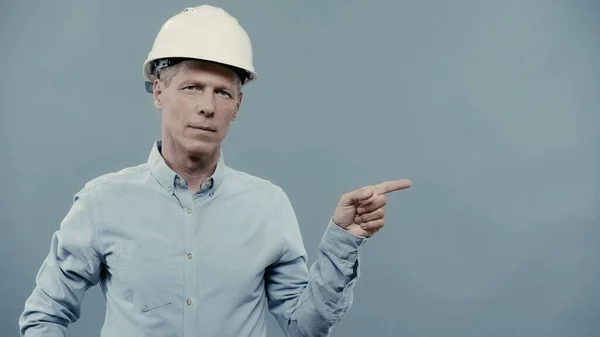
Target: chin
pixel 200 147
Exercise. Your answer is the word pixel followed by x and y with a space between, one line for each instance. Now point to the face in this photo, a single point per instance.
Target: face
pixel 197 106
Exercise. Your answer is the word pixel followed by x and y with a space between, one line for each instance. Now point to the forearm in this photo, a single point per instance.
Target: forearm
pixel 46 312
pixel 329 292
pixel 55 302
pixel 37 320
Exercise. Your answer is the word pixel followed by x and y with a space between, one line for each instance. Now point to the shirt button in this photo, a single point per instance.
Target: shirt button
pixel 188 302
pixel 170 189
pixel 189 211
pixel 189 256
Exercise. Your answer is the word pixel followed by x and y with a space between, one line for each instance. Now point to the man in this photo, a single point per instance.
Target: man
pixel 184 245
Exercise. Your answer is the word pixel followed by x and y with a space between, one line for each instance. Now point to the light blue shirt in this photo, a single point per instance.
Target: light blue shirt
pixel 173 263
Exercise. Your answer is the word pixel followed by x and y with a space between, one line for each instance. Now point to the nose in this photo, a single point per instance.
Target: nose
pixel 206 105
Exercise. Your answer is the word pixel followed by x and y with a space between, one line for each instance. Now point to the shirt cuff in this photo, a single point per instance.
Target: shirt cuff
pixel 341 242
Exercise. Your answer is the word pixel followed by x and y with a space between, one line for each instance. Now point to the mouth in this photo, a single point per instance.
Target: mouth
pixel 203 128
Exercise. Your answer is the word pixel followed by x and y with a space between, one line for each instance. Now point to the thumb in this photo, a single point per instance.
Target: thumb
pixel 357 196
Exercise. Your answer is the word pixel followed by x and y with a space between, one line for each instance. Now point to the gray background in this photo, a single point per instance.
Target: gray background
pixel 491 108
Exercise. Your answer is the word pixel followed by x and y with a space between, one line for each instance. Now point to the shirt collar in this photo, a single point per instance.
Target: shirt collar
pixel 167 178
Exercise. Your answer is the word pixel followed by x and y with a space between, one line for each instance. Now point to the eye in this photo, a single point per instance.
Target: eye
pixel 224 93
pixel 190 87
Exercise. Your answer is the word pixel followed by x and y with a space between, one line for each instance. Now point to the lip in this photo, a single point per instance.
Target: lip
pixel 203 128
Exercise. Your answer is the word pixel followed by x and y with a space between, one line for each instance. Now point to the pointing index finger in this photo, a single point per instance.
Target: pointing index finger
pixel 391 186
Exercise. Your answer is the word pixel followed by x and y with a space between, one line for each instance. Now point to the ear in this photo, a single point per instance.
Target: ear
pixel 157 94
pixel 237 108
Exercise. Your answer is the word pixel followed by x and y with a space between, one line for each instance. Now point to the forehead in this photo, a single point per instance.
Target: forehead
pixel 203 70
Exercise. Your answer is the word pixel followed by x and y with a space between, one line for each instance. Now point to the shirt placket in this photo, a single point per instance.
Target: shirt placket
pixel 190 282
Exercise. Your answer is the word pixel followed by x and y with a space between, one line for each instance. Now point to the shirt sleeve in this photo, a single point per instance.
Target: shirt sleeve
pixel 71 267
pixel 305 302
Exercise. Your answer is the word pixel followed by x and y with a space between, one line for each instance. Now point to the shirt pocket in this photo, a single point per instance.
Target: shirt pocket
pixel 148 273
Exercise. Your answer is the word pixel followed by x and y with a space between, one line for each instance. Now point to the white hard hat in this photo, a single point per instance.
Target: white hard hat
pixel 205 33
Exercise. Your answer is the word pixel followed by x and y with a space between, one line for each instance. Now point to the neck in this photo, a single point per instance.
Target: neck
pixel 194 169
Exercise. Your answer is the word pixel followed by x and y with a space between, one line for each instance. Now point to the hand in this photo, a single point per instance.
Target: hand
pixel 361 211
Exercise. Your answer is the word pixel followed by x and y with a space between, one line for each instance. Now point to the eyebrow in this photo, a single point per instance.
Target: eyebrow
pixel 228 87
